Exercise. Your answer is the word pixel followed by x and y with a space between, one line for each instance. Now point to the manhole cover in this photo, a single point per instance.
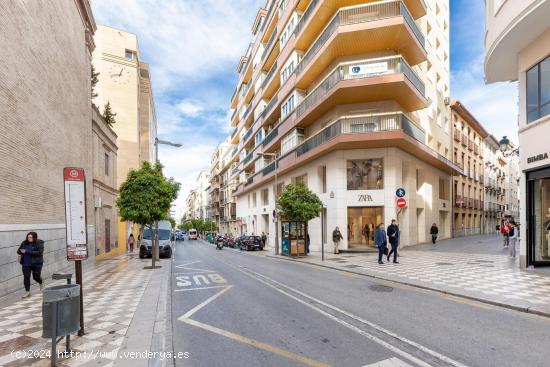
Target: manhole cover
pixel 444 264
pixel 380 288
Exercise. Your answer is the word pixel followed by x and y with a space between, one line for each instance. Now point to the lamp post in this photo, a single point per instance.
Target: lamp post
pixel 274 156
pixel 505 147
pixel 155 254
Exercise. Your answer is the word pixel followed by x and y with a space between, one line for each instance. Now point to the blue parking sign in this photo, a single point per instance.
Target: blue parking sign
pixel 400 192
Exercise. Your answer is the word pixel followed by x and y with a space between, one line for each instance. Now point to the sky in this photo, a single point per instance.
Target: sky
pixel 193 47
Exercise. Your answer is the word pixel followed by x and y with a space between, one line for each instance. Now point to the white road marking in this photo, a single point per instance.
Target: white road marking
pixel 201 305
pixel 392 362
pixel 367 335
pixel 196 289
pixel 190 263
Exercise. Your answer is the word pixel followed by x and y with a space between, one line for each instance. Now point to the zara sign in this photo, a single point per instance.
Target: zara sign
pixel 365 198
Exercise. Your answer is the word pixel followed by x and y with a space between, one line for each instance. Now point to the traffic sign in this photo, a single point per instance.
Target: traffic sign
pixel 401 203
pixel 400 192
pixel 75 213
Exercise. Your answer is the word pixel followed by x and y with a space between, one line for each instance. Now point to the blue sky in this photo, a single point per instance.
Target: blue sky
pixel 193 47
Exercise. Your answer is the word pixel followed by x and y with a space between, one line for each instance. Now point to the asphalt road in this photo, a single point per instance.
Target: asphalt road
pixel 232 308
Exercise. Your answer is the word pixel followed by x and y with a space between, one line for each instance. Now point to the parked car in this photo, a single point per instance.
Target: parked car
pixel 193 234
pixel 180 236
pixel 250 243
pixel 166 241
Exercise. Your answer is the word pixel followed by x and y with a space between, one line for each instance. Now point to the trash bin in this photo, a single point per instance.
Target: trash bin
pixel 61 309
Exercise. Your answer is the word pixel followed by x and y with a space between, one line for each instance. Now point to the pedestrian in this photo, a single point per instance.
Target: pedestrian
pixel 393 236
pixel 31 258
pixel 366 232
pixel 498 229
pixel 336 238
pixel 264 239
pixel 308 242
pixel 434 231
pixel 380 241
pixel 131 242
pixel 504 231
pixel 512 237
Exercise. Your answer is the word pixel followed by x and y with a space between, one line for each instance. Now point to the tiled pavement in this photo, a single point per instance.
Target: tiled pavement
pixel 112 291
pixel 475 267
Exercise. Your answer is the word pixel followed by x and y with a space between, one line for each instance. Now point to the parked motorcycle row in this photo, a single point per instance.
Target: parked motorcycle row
pixel 248 243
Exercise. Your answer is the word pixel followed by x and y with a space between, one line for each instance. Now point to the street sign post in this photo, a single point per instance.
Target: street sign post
pixel 400 192
pixel 401 203
pixel 75 220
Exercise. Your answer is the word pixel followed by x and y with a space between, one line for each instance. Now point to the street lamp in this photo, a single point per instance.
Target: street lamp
pixel 274 156
pixel 155 255
pixel 504 146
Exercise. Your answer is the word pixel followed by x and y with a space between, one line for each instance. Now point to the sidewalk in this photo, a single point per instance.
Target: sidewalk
pixel 475 267
pixel 116 292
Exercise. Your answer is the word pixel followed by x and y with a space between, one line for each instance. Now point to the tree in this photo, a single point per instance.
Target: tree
pixel 94 80
pixel 109 115
pixel 298 203
pixel 172 222
pixel 146 195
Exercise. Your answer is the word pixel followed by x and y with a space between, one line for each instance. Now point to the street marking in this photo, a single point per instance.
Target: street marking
pixel 392 362
pixel 183 265
pixel 197 289
pixel 257 344
pixel 201 305
pixel 404 354
pixel 199 280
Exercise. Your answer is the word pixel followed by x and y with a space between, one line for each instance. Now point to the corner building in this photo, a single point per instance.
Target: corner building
pixel 349 98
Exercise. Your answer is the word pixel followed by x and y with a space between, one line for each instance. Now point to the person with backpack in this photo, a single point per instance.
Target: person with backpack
pixel 512 237
pixel 380 240
pixel 31 258
pixel 434 231
pixel 336 238
pixel 504 231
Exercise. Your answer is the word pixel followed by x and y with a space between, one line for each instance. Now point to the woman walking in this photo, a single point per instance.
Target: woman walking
pixel 434 231
pixel 513 237
pixel 380 240
pixel 131 242
pixel 31 258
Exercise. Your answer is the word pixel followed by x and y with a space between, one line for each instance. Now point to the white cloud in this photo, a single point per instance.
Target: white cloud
pixel 190 107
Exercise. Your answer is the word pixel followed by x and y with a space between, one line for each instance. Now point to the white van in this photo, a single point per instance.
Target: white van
pixel 193 235
pixel 166 240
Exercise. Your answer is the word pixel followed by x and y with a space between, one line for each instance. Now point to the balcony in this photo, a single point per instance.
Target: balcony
pixel 267 84
pixel 270 136
pixel 459 201
pixel 470 144
pixel 457 135
pixel 476 149
pixel 361 30
pixel 464 139
pixel 389 78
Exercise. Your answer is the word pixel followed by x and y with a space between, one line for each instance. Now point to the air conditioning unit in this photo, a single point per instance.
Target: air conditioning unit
pixel 447 101
pixel 97 202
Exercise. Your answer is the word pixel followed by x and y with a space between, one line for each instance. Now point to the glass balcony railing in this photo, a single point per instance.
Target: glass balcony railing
pixel 363 125
pixel 247 135
pixel 272 135
pixel 355 15
pixel 385 66
pixel 305 17
pixel 270 43
pixel 234 133
pixel 269 106
pixel 269 75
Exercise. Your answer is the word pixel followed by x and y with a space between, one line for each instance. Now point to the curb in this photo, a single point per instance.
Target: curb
pixel 471 298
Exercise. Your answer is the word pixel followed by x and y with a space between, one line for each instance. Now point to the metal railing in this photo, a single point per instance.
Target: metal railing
pixel 270 43
pixel 269 106
pixel 385 66
pixel 247 158
pixel 269 75
pixel 305 17
pixel 362 125
pixel 247 135
pixel 268 169
pixel 272 135
pixel 355 15
pixel 233 133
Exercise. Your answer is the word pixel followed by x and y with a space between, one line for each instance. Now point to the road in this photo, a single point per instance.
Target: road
pixel 231 308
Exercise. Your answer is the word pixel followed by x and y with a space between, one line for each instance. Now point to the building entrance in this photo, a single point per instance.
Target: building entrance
pixel 362 222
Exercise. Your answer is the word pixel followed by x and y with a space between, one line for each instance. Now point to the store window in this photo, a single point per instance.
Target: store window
pixel 538 90
pixel 365 174
pixel 540 225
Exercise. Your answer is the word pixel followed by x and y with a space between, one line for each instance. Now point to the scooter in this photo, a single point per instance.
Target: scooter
pixel 219 244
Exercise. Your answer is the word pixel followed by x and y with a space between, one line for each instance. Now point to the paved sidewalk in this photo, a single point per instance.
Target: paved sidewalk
pixel 475 267
pixel 113 290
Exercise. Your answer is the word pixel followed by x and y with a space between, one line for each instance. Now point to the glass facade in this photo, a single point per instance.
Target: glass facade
pixel 365 174
pixel 538 196
pixel 538 90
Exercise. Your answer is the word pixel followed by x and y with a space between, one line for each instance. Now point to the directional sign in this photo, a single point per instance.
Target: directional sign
pixel 401 203
pixel 75 213
pixel 400 192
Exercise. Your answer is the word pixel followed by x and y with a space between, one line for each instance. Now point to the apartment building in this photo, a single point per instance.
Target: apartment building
pixel 45 125
pixel 468 189
pixel 517 44
pixel 199 200
pixel 347 97
pixel 511 187
pixel 216 178
pixel 104 150
pixel 228 205
pixel 494 173
pixel 124 81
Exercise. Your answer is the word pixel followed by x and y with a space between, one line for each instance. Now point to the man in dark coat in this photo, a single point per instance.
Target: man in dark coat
pixel 393 237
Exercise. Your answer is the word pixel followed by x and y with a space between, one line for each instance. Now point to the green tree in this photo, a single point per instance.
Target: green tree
pixel 94 80
pixel 146 195
pixel 298 203
pixel 109 115
pixel 172 222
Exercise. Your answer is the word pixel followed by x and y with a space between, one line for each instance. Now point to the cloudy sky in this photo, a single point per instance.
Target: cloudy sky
pixel 193 47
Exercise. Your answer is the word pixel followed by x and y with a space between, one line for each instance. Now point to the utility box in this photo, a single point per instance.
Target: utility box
pixel 60 310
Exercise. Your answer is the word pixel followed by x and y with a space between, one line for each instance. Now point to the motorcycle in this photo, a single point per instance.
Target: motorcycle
pixel 219 243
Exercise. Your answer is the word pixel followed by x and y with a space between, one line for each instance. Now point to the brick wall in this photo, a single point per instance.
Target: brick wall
pixel 45 124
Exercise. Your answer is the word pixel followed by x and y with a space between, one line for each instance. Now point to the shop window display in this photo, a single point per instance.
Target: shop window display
pixel 365 174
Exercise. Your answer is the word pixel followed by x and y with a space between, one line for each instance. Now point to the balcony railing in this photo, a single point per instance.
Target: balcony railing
pixel 248 158
pixel 471 144
pixel 362 125
pixel 270 43
pixel 354 15
pixel 234 133
pixel 233 114
pixel 247 134
pixel 464 139
pixel 268 169
pixel 394 65
pixel 459 201
pixel 305 17
pixel 269 75
pixel 457 136
pixel 272 135
pixel 269 106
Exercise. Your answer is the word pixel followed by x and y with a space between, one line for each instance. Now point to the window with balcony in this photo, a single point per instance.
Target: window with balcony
pixel 259 136
pixel 287 72
pixel 288 106
pixel 292 140
pixel 289 28
pixel 365 174
pixel 538 91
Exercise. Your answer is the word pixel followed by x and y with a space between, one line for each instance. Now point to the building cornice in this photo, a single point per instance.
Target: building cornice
pixel 85 11
pixel 459 108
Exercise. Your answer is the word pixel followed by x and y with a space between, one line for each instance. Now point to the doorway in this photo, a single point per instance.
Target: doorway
pixel 362 222
pixel 107 235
